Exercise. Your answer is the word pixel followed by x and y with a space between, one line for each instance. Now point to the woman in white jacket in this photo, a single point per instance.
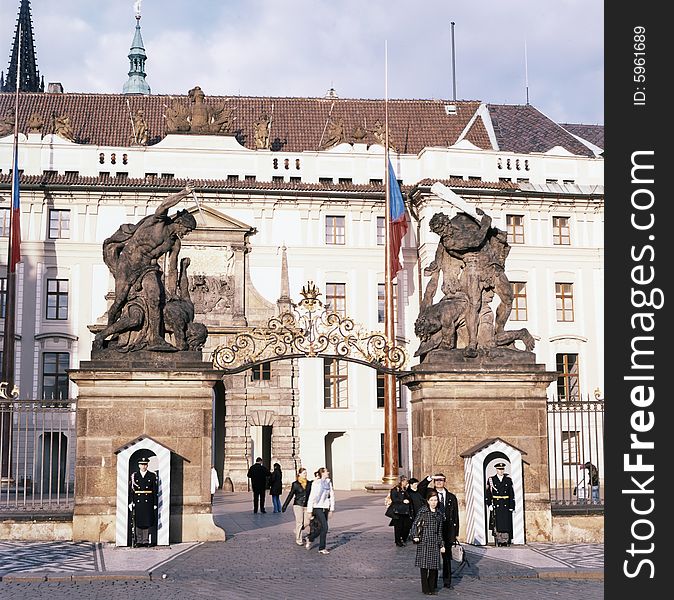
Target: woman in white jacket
pixel 321 503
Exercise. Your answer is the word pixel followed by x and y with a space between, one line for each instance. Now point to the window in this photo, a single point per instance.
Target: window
pixel 59 224
pixel 400 451
pixel 564 300
pixel 519 311
pixel 57 299
pixel 261 372
pixel 570 442
pixel 381 231
pixel 54 376
pixel 334 230
pixel 295 179
pixel 568 388
pixel 250 178
pixel 3 296
pixel 381 303
pixel 167 175
pixel 325 180
pixel 380 391
pixel 335 383
pixel 515 227
pixel 232 178
pixel 345 180
pixel 277 178
pixel 4 222
pixel 376 181
pixel 335 297
pixel 561 233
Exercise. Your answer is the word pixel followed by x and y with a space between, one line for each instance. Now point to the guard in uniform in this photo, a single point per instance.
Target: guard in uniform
pixel 143 497
pixel 500 498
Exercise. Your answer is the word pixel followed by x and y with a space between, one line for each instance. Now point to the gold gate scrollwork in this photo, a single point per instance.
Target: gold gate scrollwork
pixel 8 395
pixel 309 330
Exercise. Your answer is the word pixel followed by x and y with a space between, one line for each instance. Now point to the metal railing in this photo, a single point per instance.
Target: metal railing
pixel 576 438
pixel 37 446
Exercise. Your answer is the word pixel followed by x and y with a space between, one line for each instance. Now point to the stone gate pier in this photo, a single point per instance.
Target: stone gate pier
pixel 166 396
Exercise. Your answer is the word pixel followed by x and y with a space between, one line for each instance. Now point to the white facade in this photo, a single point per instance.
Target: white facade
pixel 295 218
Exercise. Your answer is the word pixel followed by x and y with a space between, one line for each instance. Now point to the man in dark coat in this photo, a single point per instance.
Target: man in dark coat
pixel 258 475
pixel 143 501
pixel 500 498
pixel 449 507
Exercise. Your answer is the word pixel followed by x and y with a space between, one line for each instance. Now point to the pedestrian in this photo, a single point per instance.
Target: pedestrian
pixel 401 509
pixel 299 491
pixel 143 501
pixel 320 504
pixel 593 473
pixel 426 532
pixel 276 487
pixel 500 498
pixel 448 506
pixel 258 475
pixel 215 482
pixel 415 497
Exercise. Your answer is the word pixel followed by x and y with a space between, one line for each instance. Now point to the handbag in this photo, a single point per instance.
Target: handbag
pixel 420 531
pixel 390 512
pixel 457 552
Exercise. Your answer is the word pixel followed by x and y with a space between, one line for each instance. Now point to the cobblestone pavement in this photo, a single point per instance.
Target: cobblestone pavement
pixel 261 560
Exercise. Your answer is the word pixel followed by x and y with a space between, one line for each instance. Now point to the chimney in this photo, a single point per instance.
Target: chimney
pixel 55 88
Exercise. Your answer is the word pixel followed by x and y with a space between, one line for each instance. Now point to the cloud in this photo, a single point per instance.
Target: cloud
pixel 304 47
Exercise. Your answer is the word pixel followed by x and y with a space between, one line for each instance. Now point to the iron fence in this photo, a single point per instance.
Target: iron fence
pixel 37 447
pixel 576 454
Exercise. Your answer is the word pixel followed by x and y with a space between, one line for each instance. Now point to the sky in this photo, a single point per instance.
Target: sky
pixel 554 49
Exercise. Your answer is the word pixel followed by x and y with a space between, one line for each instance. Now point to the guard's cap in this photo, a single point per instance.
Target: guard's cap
pixel 144 461
pixel 499 465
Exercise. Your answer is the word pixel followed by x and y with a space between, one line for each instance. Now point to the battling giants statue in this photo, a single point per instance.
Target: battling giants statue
pixel 150 302
pixel 471 257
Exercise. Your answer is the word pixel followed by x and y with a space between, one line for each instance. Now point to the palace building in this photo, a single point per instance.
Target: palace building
pixel 290 190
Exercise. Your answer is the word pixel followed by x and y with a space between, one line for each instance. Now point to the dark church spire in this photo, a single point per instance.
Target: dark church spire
pixel 29 76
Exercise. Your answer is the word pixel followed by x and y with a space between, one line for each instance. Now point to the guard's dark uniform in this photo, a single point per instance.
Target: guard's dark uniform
pixel 501 495
pixel 143 496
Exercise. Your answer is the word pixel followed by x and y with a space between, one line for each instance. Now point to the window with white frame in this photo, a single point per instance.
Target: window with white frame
pixel 515 228
pixel 335 230
pixel 381 303
pixel 57 299
pixel 519 310
pixel 335 383
pixel 561 231
pixel 335 297
pixel 59 224
pixel 564 301
pixel 568 385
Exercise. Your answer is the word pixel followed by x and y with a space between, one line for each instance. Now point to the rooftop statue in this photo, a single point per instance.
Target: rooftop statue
pixel 470 257
pixel 150 302
pixel 199 117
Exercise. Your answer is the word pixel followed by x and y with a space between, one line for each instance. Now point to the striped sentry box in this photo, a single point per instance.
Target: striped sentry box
pixel 160 463
pixel 477 468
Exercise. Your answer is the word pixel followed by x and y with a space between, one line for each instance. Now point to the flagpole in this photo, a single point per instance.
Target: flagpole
pixel 8 358
pixel 390 408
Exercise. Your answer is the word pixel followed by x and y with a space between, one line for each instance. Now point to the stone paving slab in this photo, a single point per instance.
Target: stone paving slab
pixel 261 560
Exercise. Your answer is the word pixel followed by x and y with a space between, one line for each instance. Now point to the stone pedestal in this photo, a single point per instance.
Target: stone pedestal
pixel 168 398
pixel 458 404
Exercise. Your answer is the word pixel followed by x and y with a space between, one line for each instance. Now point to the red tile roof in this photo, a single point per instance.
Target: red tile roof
pixel 298 124
pixel 524 129
pixel 591 133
